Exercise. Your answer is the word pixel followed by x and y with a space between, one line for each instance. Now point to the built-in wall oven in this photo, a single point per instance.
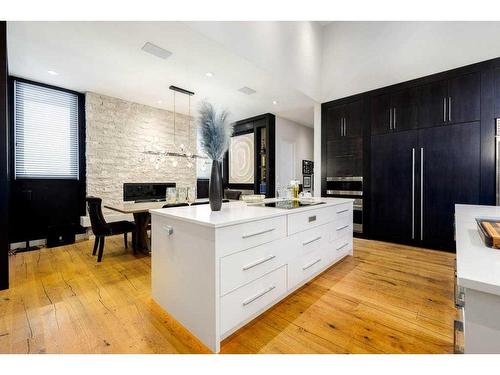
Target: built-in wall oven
pixel 348 187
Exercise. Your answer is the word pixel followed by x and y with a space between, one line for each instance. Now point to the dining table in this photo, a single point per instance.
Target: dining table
pixel 142 218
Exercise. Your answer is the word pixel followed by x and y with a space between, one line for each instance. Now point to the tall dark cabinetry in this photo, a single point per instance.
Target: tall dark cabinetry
pixel 417 177
pixel 4 173
pixel 392 185
pixel 344 125
pixel 427 145
pixel 449 174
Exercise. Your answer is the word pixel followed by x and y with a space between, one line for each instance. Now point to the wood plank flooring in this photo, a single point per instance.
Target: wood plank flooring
pixel 386 299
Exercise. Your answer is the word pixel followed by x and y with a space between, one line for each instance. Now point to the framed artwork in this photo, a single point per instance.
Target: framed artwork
pixel 307 182
pixel 242 159
pixel 307 167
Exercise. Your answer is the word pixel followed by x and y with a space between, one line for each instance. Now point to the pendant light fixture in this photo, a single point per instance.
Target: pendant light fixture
pixel 182 151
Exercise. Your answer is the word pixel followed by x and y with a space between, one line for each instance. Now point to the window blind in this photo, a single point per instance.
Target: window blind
pixel 45 132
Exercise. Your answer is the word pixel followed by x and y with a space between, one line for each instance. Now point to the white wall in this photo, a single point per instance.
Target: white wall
pixel 360 56
pixel 290 51
pixel 317 150
pixel 302 138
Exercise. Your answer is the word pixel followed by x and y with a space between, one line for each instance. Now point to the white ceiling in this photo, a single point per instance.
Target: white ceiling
pixel 106 58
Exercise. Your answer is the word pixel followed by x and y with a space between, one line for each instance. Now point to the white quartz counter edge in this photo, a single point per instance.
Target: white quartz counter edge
pixel 233 213
pixel 478 266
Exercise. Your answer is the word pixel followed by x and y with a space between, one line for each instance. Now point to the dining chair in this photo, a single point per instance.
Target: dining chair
pixel 232 194
pixel 198 203
pixel 102 229
pixel 175 205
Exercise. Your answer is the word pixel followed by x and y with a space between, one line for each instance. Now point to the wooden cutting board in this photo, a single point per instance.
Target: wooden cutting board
pixel 492 229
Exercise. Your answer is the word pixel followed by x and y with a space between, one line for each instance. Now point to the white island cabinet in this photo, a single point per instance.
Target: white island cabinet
pixel 478 283
pixel 216 271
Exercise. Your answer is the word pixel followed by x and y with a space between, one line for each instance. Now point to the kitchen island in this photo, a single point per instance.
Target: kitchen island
pixel 478 283
pixel 216 271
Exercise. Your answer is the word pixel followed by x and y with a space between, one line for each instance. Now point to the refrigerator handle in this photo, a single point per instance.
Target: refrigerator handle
pixel 421 194
pixel 413 193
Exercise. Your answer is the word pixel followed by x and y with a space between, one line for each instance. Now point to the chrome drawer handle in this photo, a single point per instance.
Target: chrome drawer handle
pixel 250 300
pixel 342 211
pixel 312 218
pixel 257 233
pixel 342 246
pixel 345 226
pixel 311 241
pixel 252 265
pixel 311 264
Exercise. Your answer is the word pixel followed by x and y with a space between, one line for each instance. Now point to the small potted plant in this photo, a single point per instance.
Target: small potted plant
pixel 215 133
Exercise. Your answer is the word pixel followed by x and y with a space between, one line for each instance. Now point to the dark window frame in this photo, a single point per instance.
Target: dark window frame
pixel 81 182
pixel 13 129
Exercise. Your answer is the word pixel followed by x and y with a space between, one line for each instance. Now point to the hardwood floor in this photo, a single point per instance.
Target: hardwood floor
pixel 386 299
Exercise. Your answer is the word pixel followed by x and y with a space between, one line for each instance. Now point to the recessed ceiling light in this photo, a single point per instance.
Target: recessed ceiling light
pixel 275 102
pixel 160 101
pixel 209 74
pixel 52 73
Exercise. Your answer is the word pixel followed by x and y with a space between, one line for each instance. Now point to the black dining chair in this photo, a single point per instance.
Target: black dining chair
pixel 207 202
pixel 175 205
pixel 102 229
pixel 198 203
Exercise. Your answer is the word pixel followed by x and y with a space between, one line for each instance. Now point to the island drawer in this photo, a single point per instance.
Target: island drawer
pixel 244 303
pixel 311 240
pixel 239 237
pixel 316 217
pixel 248 265
pixel 305 266
pixel 341 227
pixel 338 248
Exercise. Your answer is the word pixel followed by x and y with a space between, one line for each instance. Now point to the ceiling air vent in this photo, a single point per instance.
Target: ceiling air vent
pixel 247 90
pixel 156 51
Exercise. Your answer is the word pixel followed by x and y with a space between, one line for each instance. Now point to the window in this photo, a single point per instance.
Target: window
pixel 45 132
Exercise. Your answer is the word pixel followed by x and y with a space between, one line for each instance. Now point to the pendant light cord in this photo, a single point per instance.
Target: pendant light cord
pixel 189 121
pixel 174 120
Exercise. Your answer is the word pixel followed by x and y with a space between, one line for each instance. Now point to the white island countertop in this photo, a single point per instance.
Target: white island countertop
pixel 478 266
pixel 236 212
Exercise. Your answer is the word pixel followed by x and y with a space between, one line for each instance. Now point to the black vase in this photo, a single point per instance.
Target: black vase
pixel 215 186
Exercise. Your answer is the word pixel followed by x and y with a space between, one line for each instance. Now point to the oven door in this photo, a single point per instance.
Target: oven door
pixel 357 215
pixel 344 186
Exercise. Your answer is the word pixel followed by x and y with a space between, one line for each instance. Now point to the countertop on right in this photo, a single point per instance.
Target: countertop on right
pixel 478 266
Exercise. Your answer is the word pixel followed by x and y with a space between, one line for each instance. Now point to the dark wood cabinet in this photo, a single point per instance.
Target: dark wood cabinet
pixel 345 120
pixel 451 101
pixel 450 174
pixel 380 114
pixel 392 182
pixel 353 114
pixel 431 145
pixel 404 110
pixel 335 122
pixel 345 157
pixel 394 112
pixel 417 178
pixel 432 104
pixel 464 100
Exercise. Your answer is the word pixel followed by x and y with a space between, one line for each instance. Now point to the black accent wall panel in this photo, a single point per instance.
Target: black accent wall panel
pixel 4 164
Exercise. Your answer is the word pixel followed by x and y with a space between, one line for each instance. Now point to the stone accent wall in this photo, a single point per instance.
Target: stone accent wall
pixel 118 133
